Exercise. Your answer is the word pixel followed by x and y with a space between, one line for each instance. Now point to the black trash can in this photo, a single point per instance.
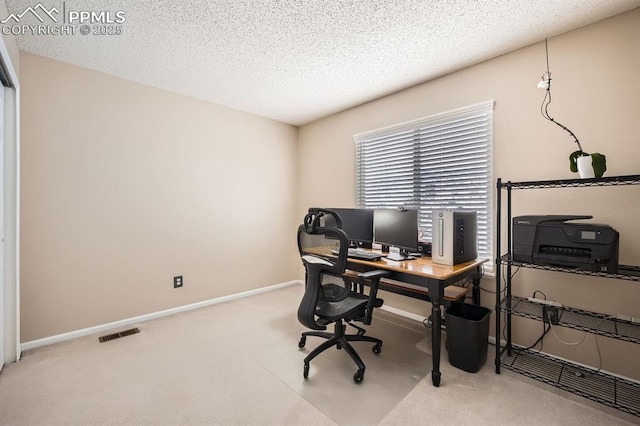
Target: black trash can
pixel 467 335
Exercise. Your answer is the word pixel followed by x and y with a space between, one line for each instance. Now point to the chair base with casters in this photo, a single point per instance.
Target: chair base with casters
pixel 357 306
pixel 341 340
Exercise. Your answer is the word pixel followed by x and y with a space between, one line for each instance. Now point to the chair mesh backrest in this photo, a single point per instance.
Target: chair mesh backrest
pixel 326 246
pixel 324 253
pixel 326 242
pixel 323 245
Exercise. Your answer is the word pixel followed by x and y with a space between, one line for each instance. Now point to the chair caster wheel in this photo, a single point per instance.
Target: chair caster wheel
pixel 358 377
pixel 302 342
pixel 377 349
pixel 305 372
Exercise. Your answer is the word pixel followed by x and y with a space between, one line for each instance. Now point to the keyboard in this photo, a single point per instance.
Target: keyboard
pixel 362 254
pixel 357 253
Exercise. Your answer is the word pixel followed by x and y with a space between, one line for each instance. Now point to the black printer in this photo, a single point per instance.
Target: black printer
pixel 550 240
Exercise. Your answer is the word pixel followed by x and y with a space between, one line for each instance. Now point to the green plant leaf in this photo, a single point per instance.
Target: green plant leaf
pixel 599 164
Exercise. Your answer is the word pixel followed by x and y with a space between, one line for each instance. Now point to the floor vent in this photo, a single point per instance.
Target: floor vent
pixel 114 336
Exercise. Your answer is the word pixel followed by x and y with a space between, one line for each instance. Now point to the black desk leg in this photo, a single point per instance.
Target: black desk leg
pixel 436 334
pixel 475 291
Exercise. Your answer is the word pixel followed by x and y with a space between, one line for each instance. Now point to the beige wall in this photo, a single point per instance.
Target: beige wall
pixel 596 93
pixel 125 186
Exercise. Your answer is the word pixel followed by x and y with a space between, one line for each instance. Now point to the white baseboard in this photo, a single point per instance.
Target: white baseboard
pixel 402 313
pixel 147 317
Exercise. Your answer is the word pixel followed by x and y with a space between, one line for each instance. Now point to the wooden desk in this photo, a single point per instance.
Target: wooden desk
pixel 422 272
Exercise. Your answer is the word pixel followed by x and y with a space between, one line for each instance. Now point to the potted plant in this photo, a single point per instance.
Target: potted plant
pixel 588 165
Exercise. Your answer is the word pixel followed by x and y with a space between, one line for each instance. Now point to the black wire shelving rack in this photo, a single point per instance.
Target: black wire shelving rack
pixel 620 393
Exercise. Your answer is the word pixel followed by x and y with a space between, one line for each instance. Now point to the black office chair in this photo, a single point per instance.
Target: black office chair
pixel 330 296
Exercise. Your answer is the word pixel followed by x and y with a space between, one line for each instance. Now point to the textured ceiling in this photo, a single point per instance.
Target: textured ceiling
pixel 298 60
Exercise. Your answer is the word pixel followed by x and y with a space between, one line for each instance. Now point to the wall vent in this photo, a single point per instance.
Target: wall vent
pixel 114 336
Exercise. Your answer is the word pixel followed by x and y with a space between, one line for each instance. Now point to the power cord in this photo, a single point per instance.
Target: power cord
pixel 549 317
pixel 503 288
pixel 538 291
pixel 427 322
pixel 545 330
pixel 580 373
pixel 540 341
pixel 546 101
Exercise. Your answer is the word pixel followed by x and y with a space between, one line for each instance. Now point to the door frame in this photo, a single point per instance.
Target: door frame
pixel 11 283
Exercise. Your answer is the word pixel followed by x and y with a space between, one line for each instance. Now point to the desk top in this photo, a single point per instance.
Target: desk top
pixel 422 266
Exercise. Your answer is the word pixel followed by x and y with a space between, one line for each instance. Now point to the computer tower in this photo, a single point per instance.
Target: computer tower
pixel 455 236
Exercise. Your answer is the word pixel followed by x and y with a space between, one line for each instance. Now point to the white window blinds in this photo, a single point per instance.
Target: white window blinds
pixel 441 161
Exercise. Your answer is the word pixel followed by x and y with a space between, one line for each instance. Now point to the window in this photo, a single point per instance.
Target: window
pixel 436 162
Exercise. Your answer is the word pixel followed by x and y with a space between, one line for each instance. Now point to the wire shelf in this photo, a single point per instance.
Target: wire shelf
pixel 568 183
pixel 578 319
pixel 625 272
pixel 606 389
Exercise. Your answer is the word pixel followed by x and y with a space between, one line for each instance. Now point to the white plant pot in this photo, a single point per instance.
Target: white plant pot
pixel 585 167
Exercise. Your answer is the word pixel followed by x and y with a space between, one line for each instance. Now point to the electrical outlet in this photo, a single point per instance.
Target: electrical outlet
pixel 550 314
pixel 177 281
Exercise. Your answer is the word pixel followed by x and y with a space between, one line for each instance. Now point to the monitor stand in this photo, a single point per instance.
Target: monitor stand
pixel 396 254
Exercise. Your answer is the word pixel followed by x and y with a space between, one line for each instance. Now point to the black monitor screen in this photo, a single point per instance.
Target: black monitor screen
pixel 395 227
pixel 356 223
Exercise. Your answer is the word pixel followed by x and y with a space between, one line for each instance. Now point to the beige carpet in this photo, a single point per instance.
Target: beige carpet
pixel 237 363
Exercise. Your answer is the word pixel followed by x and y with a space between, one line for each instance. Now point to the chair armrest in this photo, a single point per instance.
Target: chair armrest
pixel 376 273
pixel 373 277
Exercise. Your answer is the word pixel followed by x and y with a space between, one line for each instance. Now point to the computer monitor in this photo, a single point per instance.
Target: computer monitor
pixel 396 228
pixel 356 223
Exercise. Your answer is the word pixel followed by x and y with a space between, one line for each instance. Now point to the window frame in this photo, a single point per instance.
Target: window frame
pixel 409 144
